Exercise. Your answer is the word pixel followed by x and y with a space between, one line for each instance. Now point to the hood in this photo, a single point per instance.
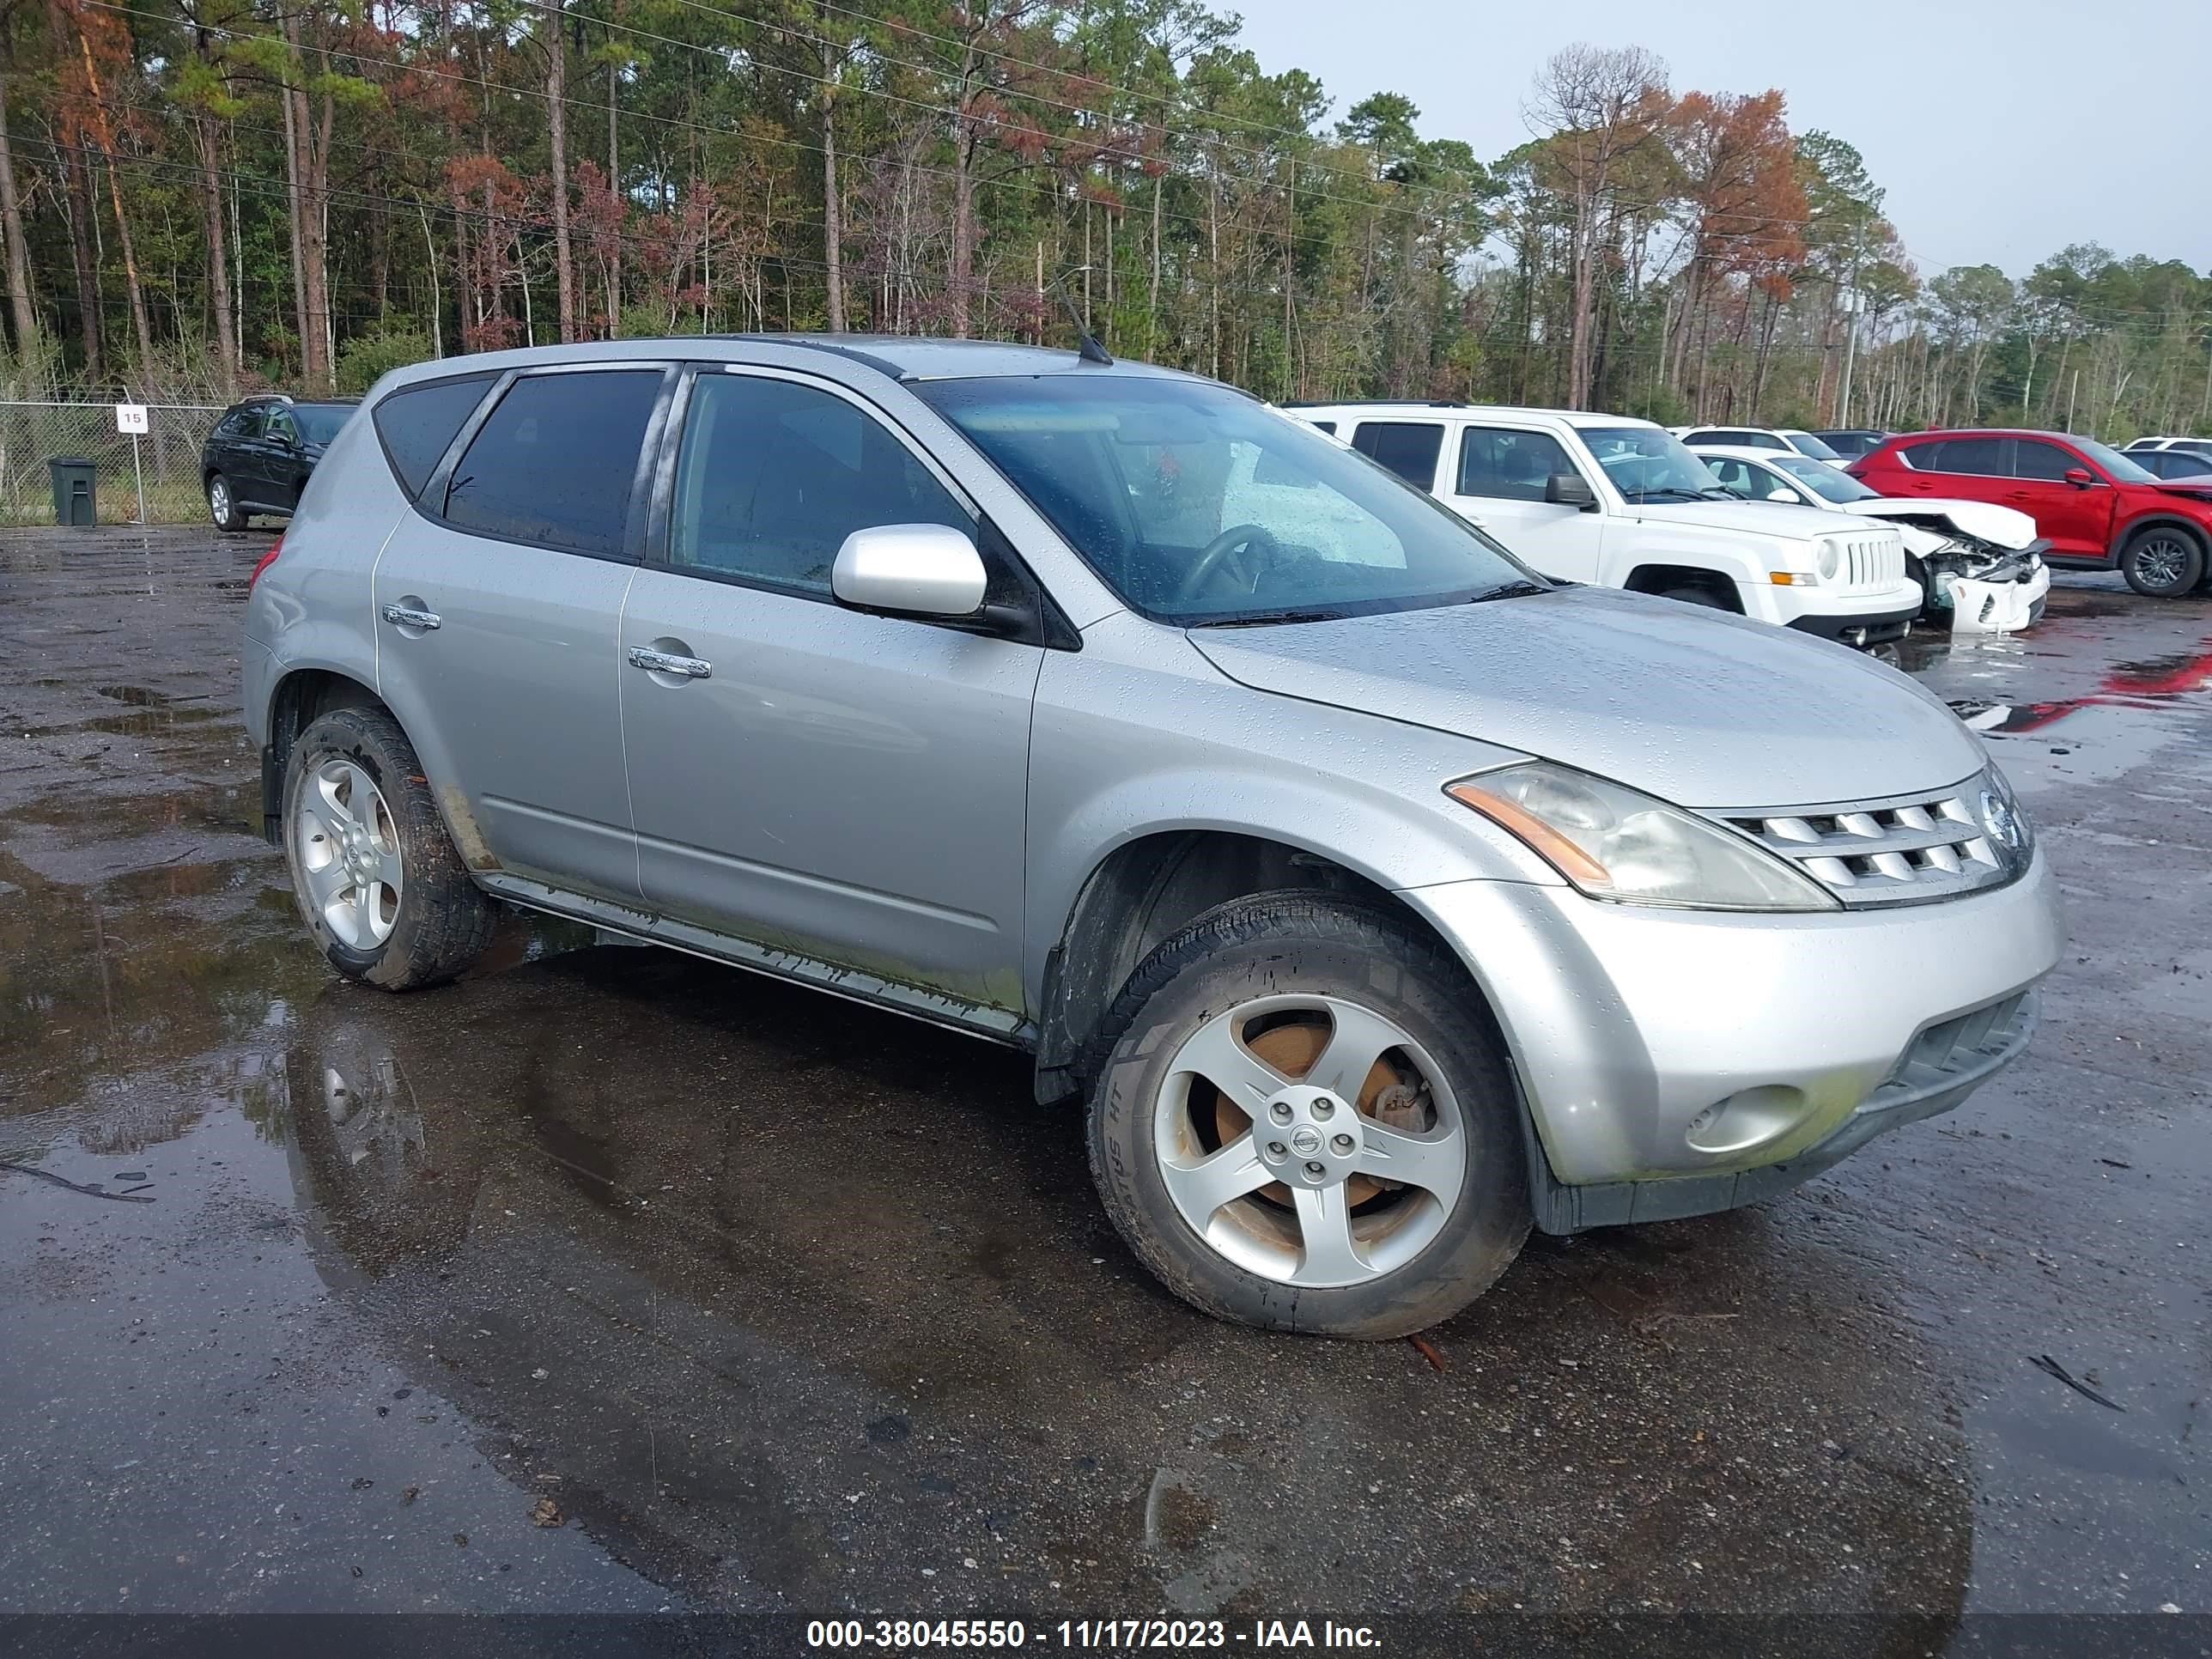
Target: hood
pixel 2194 489
pixel 1784 519
pixel 1696 707
pixel 1983 520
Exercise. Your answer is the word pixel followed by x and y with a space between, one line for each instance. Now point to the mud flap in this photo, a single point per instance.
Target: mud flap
pixel 272 797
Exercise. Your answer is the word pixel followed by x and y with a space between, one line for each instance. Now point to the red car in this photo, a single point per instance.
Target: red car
pixel 2096 507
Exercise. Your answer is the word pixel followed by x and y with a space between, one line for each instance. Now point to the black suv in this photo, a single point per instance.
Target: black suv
pixel 259 455
pixel 1853 442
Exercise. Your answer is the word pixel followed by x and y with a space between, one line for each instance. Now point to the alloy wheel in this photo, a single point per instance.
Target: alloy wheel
pixel 349 848
pixel 2160 560
pixel 219 502
pixel 1309 1140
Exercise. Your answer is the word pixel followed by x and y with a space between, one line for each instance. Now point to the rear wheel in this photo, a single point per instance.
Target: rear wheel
pixel 1305 1123
pixel 2162 562
pixel 378 882
pixel 222 504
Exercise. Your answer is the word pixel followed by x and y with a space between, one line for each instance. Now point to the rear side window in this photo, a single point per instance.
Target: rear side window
pixel 1981 457
pixel 418 423
pixel 1507 465
pixel 240 423
pixel 554 464
pixel 1408 448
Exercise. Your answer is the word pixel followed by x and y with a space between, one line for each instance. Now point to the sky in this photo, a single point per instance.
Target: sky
pixel 2002 131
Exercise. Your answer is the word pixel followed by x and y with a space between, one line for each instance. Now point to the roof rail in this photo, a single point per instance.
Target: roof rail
pixel 1375 403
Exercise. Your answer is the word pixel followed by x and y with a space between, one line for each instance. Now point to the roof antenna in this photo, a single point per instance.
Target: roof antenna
pixel 1090 351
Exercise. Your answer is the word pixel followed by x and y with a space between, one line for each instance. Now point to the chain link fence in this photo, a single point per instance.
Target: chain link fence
pixel 169 460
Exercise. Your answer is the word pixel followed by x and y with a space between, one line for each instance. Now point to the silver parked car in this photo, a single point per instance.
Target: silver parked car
pixel 1381 897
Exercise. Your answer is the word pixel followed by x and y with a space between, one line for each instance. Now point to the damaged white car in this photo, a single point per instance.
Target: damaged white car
pixel 1980 565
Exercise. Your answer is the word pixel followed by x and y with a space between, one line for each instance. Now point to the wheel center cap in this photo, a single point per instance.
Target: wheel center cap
pixel 1310 1137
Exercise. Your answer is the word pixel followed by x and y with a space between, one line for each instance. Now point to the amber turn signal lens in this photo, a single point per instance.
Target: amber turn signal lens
pixel 1548 843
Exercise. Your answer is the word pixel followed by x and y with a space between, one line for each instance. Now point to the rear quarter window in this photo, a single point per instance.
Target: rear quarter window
pixel 418 424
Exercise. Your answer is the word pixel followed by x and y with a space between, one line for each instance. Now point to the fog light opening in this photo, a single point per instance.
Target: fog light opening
pixel 1748 1119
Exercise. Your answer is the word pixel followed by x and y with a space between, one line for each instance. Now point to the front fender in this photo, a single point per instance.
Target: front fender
pixel 2160 515
pixel 1744 561
pixel 1107 768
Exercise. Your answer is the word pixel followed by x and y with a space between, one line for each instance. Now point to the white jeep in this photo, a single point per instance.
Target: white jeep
pixel 1619 503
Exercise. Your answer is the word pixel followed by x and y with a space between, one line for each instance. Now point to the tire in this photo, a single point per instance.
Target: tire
pixel 1423 1257
pixel 223 505
pixel 2162 562
pixel 422 927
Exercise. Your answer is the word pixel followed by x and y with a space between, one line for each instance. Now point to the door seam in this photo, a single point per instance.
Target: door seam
pixel 622 733
pixel 376 634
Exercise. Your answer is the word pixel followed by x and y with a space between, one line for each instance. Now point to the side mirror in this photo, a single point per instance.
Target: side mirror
pixel 1570 489
pixel 2080 477
pixel 1780 493
pixel 913 570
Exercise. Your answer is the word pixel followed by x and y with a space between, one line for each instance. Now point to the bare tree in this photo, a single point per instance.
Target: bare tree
pixel 1594 106
pixel 556 108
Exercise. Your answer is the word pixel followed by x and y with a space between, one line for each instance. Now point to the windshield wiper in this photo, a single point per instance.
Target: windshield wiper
pixel 1263 619
pixel 1512 590
pixel 1675 490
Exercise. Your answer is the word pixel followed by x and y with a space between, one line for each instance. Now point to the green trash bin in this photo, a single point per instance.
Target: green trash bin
pixel 76 499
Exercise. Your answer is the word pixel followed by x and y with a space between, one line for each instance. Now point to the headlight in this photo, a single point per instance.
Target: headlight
pixel 1615 843
pixel 1828 559
pixel 2005 819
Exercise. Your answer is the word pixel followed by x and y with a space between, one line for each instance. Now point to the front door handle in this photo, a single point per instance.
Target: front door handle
pixel 666 662
pixel 406 616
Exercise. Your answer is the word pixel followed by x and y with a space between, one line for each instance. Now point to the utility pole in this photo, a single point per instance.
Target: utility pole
pixel 1850 329
pixel 1851 348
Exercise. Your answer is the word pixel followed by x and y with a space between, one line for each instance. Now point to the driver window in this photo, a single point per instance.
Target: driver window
pixel 281 426
pixel 1509 465
pixel 1733 474
pixel 773 475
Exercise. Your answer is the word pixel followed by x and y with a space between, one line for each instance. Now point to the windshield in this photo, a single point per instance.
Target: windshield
pixel 2117 467
pixel 1825 481
pixel 1645 464
pixel 1808 445
pixel 320 423
pixel 1198 505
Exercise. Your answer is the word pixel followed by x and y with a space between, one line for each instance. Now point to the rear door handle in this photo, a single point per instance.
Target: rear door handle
pixel 402 615
pixel 665 662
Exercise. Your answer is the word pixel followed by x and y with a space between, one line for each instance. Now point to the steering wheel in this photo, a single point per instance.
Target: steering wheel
pixel 1252 537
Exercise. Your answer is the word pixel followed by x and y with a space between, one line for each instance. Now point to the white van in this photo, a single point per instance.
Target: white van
pixel 1619 503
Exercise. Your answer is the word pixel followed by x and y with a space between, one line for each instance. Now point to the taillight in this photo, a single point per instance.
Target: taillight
pixel 267 559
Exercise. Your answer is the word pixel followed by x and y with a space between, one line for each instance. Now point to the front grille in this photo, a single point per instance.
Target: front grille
pixel 1953 1046
pixel 1904 850
pixel 1870 558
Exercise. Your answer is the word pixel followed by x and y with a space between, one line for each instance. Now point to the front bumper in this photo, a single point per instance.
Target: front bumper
pixel 1631 1027
pixel 1861 628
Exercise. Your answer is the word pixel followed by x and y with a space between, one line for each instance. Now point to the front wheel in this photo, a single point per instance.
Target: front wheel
pixel 222 504
pixel 1305 1123
pixel 2162 562
pixel 378 882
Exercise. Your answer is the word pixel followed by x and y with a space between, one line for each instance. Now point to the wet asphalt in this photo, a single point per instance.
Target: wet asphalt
pixel 610 1281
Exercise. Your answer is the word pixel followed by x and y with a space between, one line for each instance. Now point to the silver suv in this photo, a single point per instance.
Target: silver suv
pixel 1381 897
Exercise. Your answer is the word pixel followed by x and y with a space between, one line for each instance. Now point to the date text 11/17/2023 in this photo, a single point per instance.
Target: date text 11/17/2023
pixel 1160 1635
